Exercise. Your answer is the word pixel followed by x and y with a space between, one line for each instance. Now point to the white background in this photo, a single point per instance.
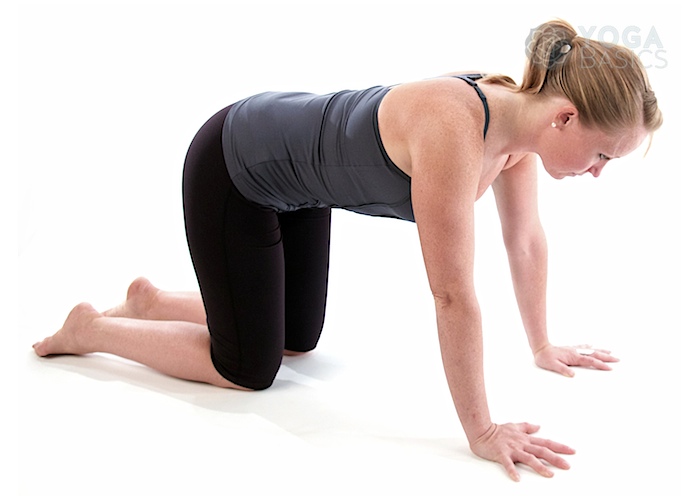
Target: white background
pixel 109 96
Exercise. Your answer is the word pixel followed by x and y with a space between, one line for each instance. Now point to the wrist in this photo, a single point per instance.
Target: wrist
pixel 486 435
pixel 537 348
pixel 479 434
pixel 537 337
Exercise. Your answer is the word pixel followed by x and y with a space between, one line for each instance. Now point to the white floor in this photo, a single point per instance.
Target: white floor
pixel 368 414
pixel 119 91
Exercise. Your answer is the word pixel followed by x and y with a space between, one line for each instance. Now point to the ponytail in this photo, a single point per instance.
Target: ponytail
pixel 549 46
pixel 607 83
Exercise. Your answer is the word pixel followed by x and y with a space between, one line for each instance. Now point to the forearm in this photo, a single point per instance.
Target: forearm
pixel 528 266
pixel 459 329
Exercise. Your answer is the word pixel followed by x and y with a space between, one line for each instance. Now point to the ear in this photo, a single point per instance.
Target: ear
pixel 566 116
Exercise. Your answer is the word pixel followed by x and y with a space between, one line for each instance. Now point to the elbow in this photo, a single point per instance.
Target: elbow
pixel 443 299
pixel 532 246
pixel 458 318
pixel 446 299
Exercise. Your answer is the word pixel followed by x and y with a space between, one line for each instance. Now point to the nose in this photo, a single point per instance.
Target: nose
pixel 595 171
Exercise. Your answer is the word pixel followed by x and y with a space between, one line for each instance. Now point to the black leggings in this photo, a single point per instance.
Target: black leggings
pixel 263 275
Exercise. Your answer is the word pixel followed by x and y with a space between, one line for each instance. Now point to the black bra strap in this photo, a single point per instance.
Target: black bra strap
pixel 471 80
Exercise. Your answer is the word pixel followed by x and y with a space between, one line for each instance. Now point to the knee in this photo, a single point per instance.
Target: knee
pixel 298 343
pixel 259 382
pixel 238 377
pixel 288 352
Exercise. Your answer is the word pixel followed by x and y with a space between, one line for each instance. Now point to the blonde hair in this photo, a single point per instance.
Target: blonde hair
pixel 606 83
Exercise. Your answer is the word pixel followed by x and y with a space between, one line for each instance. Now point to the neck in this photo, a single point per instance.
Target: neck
pixel 517 120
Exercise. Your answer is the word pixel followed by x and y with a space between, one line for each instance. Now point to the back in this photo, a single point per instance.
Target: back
pixel 289 151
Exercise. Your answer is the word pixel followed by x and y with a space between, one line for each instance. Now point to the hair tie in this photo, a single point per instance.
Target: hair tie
pixel 560 49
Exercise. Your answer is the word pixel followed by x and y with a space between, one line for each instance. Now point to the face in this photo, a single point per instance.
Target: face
pixel 570 149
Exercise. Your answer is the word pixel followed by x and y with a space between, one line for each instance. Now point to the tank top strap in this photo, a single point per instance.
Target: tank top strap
pixel 471 80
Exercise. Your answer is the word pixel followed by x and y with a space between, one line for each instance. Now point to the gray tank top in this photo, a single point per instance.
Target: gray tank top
pixel 288 151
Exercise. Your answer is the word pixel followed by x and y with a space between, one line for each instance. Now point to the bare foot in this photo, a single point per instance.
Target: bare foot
pixel 71 339
pixel 139 298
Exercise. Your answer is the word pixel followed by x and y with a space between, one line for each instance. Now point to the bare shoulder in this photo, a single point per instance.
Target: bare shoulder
pixel 515 190
pixel 521 162
pixel 448 94
pixel 518 178
pixel 440 110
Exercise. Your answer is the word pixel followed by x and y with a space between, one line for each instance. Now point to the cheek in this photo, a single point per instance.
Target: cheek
pixel 561 160
pixel 574 158
pixel 566 156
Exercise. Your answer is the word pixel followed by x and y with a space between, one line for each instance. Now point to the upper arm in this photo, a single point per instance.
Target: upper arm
pixel 446 151
pixel 515 190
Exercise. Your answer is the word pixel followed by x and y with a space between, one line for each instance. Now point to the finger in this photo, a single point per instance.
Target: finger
pixel 544 453
pixel 553 445
pixel 528 428
pixel 564 369
pixel 557 366
pixel 512 471
pixel 605 356
pixel 592 362
pixel 533 462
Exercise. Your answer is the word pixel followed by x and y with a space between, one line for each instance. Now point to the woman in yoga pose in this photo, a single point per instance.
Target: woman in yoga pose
pixel 262 175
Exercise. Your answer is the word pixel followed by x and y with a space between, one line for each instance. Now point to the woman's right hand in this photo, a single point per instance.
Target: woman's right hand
pixel 509 444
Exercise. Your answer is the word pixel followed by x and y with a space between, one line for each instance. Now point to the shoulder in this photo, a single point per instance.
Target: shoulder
pixel 519 175
pixel 425 115
pixel 515 190
pixel 446 94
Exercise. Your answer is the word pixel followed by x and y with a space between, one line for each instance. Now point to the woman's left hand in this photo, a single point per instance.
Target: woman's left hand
pixel 560 359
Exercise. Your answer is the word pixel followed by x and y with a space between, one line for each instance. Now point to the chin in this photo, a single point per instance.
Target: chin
pixel 556 171
pixel 555 174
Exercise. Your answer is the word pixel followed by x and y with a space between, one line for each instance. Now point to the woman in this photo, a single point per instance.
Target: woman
pixel 261 176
